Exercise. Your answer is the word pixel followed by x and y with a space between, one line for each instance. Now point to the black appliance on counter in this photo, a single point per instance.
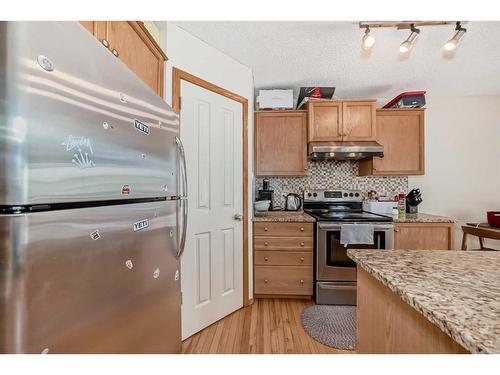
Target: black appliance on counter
pixel 266 193
pixel 335 272
pixel 413 199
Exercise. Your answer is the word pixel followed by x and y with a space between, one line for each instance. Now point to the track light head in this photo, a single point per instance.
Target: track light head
pixel 452 44
pixel 407 45
pixel 368 40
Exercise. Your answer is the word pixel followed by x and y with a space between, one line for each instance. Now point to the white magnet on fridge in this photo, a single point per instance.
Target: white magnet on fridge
pixel 176 277
pixel 156 273
pixel 129 264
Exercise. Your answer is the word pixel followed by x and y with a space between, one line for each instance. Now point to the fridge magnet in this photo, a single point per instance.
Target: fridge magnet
pixel 156 273
pixel 129 264
pixel 95 235
pixel 141 224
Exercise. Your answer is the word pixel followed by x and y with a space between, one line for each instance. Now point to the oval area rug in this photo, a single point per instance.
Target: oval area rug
pixel 331 325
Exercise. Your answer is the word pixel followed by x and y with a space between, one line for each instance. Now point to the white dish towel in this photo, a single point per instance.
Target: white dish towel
pixel 356 234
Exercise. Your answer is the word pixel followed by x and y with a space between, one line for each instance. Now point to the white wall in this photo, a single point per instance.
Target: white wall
pixel 188 53
pixel 462 159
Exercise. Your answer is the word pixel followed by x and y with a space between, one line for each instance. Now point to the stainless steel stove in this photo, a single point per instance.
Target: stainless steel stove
pixel 335 272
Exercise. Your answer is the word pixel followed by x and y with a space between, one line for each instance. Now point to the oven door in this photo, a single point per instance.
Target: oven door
pixel 332 262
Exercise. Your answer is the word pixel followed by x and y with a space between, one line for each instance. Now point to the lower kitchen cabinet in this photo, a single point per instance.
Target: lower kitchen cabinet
pixel 424 236
pixel 283 259
pixel 401 132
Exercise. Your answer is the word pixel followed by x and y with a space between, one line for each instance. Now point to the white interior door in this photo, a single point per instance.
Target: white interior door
pixel 212 262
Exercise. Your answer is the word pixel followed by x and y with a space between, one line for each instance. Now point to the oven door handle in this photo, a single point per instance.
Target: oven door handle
pixel 327 226
pixel 336 286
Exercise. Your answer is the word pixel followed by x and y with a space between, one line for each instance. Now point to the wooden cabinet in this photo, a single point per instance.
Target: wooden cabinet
pixel 341 120
pixel 283 259
pixel 424 236
pixel 132 43
pixel 280 143
pixel 401 132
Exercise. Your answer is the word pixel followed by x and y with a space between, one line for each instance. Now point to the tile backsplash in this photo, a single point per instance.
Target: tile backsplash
pixel 327 174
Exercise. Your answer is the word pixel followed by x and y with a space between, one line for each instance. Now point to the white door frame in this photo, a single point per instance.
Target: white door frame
pixel 177 76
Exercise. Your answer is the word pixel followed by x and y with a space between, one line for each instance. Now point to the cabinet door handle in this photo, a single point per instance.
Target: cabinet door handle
pixel 115 52
pixel 265 229
pixel 302 244
pixel 266 243
pixel 105 43
pixel 302 259
pixel 302 229
pixel 266 259
pixel 265 281
pixel 302 282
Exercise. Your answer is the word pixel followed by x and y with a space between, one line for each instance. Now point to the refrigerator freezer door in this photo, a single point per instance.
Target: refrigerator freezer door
pixel 92 280
pixel 75 123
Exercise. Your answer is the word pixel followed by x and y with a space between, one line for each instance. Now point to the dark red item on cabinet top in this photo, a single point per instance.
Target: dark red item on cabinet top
pixel 493 218
pixel 402 95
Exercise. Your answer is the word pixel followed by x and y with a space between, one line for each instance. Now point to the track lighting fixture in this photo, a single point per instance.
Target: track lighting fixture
pixel 452 44
pixel 407 45
pixel 368 40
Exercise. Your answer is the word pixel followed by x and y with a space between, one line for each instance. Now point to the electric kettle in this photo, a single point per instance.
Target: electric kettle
pixel 293 202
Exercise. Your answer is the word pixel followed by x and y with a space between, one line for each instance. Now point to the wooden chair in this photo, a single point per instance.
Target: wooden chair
pixel 481 231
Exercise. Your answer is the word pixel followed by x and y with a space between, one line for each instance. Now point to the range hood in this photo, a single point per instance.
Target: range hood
pixel 344 150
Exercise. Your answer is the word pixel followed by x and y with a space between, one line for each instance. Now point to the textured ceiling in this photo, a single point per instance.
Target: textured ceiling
pixel 294 54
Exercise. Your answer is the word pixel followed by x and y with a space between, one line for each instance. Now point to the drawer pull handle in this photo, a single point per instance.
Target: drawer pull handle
pixel 265 229
pixel 302 229
pixel 302 244
pixel 265 281
pixel 302 259
pixel 266 259
pixel 266 243
pixel 302 282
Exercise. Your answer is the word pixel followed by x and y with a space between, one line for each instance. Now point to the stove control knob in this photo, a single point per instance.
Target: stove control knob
pixel 356 194
pixel 345 194
pixel 315 195
pixel 309 194
pixel 351 194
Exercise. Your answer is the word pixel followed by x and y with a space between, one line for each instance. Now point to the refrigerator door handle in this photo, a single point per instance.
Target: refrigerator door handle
pixel 182 243
pixel 182 168
pixel 182 195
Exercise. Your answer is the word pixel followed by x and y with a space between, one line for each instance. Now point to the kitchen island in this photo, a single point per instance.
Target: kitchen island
pixel 420 301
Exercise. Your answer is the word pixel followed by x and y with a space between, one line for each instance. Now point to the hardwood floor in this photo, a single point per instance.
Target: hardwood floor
pixel 269 325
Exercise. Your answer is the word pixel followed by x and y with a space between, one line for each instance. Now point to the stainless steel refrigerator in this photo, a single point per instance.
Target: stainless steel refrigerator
pixel 92 199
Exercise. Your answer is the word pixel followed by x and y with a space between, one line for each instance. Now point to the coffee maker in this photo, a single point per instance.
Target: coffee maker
pixel 266 193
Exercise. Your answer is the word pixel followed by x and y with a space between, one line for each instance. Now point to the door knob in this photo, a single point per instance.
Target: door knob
pixel 302 244
pixel 302 281
pixel 302 259
pixel 238 217
pixel 266 259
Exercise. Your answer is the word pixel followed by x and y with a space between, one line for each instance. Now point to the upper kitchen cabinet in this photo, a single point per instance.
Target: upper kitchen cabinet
pixel 358 120
pixel 132 43
pixel 280 143
pixel 341 120
pixel 401 132
pixel 325 121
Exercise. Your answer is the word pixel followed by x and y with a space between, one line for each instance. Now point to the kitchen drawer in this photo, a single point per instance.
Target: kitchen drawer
pixel 283 280
pixel 283 243
pixel 282 258
pixel 283 229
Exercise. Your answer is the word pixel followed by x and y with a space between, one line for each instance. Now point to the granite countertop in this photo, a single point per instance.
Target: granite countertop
pixel 459 291
pixel 423 218
pixel 284 216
